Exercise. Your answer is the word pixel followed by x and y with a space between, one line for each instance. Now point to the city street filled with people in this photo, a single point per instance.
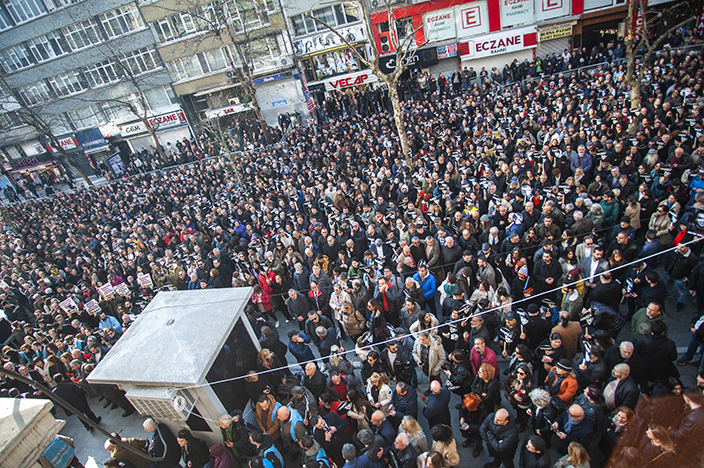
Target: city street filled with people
pixel 513 292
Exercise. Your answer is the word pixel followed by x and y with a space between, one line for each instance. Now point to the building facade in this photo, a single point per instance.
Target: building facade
pixel 78 65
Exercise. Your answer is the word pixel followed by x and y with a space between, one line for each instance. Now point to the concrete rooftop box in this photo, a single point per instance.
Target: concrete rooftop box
pixel 181 343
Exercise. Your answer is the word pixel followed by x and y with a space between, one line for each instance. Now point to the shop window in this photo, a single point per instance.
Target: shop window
pixel 332 64
pixel 404 28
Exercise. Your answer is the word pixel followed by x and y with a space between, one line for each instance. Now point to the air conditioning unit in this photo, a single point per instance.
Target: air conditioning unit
pixel 376 4
pixel 234 100
pixel 385 42
pixel 282 62
pixel 231 75
pixel 163 403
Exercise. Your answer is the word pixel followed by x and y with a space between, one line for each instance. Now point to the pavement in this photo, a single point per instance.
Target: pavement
pixel 90 450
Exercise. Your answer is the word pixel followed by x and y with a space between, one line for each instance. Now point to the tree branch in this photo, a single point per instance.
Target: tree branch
pixel 359 56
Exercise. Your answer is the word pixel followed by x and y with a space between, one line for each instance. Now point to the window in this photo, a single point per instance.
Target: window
pixel 140 61
pixel 337 15
pixel 10 120
pixel 63 3
pixel 86 117
pixel 60 125
pixel 326 16
pixel 263 52
pixel 5 21
pixel 101 73
pixel 83 34
pixel 15 58
pixel 121 21
pixel 249 13
pixel 404 28
pixel 35 93
pixel 48 46
pixel 69 83
pixel 25 10
pixel 174 27
pixel 159 97
pixel 198 64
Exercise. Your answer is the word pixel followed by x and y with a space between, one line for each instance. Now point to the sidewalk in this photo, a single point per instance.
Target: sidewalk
pixel 89 446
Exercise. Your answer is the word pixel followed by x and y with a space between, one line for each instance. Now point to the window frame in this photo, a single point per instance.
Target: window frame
pixel 120 16
pixel 82 30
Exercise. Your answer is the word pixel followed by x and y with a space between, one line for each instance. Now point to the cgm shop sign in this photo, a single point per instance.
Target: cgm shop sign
pixel 159 122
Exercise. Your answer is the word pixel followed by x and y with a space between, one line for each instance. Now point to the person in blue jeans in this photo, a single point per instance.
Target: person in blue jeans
pixel 678 265
pixel 696 342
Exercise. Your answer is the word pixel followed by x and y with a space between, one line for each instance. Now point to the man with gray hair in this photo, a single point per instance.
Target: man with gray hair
pixel 625 353
pixel 161 444
pixel 403 451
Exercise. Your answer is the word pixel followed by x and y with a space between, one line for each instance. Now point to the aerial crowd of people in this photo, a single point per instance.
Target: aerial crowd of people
pixel 509 284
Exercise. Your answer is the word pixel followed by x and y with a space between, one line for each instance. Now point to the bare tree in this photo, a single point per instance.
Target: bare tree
pixel 220 22
pixel 405 49
pixel 639 38
pixel 42 124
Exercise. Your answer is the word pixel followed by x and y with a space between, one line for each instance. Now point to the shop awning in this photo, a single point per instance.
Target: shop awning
pixel 215 89
pixel 229 110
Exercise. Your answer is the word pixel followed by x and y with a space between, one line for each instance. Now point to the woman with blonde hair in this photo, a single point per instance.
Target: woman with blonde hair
pixel 416 436
pixel 577 457
pixel 379 391
pixel 338 362
pixel 657 448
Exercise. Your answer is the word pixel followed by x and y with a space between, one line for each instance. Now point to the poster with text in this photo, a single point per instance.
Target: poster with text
pixel 515 12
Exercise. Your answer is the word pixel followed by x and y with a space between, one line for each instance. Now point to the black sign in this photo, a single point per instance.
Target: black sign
pixel 30 161
pixel 422 58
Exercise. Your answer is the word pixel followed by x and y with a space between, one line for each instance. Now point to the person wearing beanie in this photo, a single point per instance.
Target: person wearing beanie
pixel 561 383
pixel 223 458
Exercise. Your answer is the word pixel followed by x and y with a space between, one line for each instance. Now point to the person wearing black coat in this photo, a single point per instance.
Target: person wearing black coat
pixel 472 415
pixel 659 352
pixel 314 380
pixel 331 440
pixel 625 354
pixel 404 401
pixel 573 426
pixel 193 450
pixel 537 329
pixel 404 453
pixel 593 372
pixel 534 454
pixel 398 365
pixel 436 410
pixel 543 413
pixel 459 372
pixel 163 444
pixel 624 390
pixel 500 433
pixel 488 389
pixel 74 396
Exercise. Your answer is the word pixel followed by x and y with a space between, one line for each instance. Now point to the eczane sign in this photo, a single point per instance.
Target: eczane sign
pixel 501 43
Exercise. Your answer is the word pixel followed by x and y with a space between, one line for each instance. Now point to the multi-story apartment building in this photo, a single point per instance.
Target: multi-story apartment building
pixel 75 63
pixel 327 62
pixel 197 46
pixel 83 65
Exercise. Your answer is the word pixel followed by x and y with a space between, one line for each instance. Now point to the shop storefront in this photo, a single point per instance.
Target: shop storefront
pixel 555 38
pixel 498 49
pixel 602 22
pixel 37 169
pixel 170 127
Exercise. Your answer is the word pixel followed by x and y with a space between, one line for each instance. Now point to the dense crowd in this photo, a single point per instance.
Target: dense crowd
pixel 518 258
